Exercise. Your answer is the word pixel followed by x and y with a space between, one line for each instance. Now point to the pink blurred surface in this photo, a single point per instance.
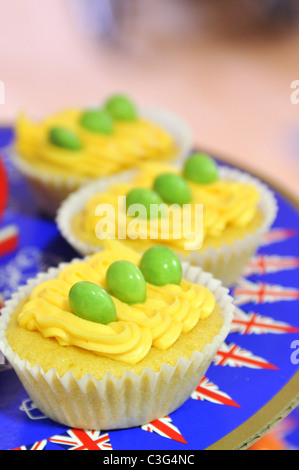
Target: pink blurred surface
pixel 234 91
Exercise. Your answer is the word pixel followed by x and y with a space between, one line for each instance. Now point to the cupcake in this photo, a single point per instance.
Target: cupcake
pixel 216 216
pixel 115 340
pixel 75 146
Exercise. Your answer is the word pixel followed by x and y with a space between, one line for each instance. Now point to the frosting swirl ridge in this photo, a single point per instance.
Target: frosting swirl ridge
pixel 167 312
pixel 100 154
pixel 225 204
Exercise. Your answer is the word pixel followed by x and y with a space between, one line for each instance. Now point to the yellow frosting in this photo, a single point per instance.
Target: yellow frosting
pixel 226 205
pixel 167 312
pixel 130 143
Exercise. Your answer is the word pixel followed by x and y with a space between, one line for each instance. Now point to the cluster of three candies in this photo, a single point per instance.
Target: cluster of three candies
pixel 127 282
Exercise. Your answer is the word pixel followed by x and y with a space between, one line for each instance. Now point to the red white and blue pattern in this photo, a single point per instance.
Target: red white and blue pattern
pixel 79 439
pixel 208 391
pixel 249 292
pixel 39 445
pixel 256 355
pixel 234 356
pixel 9 239
pixel 263 264
pixel 278 235
pixel 165 428
pixel 253 323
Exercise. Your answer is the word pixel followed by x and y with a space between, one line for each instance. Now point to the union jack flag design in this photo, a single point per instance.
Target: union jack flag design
pixel 253 323
pixel 208 391
pixel 234 356
pixel 79 439
pixel 263 264
pixel 39 445
pixel 165 427
pixel 247 292
pixel 278 235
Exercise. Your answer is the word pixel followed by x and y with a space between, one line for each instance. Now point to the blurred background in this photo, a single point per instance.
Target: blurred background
pixel 227 67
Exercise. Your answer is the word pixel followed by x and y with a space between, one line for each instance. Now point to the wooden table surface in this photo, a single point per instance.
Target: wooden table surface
pixel 233 89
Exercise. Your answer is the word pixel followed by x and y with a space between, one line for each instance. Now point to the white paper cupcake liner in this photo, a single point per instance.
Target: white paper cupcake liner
pixel 115 403
pixel 50 190
pixel 225 263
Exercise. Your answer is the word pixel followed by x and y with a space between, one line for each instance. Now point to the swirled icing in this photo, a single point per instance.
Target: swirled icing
pixel 225 204
pixel 130 143
pixel 167 312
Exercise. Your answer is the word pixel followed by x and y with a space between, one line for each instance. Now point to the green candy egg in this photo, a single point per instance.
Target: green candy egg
pixel 64 138
pixel 161 266
pixel 125 281
pixel 120 107
pixel 146 198
pixel 97 120
pixel 201 168
pixel 173 189
pixel 91 302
